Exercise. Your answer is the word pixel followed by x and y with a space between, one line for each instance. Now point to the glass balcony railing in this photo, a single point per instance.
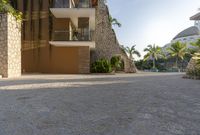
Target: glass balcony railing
pixel 84 4
pixel 61 3
pixel 73 36
pixel 72 4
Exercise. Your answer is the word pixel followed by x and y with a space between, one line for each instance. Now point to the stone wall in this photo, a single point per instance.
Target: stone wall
pixel 191 65
pixel 10 46
pixel 129 65
pixel 193 69
pixel 107 44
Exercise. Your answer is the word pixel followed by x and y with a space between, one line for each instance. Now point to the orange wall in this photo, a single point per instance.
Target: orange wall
pixel 58 60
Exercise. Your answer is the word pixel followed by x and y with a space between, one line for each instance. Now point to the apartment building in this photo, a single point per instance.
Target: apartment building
pixel 57 35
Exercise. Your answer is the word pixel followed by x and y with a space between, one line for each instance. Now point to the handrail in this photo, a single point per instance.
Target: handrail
pixel 64 35
pixel 73 4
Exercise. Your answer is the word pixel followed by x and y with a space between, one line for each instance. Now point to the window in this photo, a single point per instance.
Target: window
pixel 61 4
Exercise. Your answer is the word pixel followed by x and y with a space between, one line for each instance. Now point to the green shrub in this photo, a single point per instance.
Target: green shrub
pixel 6 7
pixel 115 62
pixel 101 66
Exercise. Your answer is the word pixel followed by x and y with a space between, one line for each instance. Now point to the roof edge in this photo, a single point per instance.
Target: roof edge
pixel 195 17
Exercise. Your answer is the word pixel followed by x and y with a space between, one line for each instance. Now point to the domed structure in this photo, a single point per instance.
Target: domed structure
pixel 191 31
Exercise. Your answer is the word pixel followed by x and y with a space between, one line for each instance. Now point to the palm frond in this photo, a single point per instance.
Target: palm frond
pixel 147 56
pixel 137 53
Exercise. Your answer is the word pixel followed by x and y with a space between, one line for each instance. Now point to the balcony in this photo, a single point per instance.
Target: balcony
pixel 74 4
pixel 73 38
pixel 74 9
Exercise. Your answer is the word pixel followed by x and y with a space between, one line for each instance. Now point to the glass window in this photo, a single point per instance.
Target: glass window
pixel 61 4
pixel 84 3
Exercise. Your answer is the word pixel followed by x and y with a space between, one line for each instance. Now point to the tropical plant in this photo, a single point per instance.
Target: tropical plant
pixel 101 66
pixel 114 21
pixel 153 53
pixel 115 62
pixel 131 51
pixel 177 50
pixel 197 45
pixel 196 57
pixel 6 7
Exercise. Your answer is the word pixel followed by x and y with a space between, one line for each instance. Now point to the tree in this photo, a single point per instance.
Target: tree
pixel 178 50
pixel 153 52
pixel 131 51
pixel 114 21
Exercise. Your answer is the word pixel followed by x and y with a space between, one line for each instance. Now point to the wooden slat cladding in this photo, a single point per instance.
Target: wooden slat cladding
pixel 84 60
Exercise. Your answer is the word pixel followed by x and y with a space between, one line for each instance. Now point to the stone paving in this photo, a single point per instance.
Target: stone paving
pixel 124 104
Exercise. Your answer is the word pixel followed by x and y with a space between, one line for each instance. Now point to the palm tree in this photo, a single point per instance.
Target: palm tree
pixel 131 51
pixel 114 21
pixel 178 50
pixel 153 52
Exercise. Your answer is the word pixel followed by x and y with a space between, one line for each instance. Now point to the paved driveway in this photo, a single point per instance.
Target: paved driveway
pixel 143 104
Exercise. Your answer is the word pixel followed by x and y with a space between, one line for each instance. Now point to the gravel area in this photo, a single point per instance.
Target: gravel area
pixel 122 104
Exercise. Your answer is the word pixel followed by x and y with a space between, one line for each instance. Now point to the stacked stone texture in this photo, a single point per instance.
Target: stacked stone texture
pixel 192 67
pixel 107 44
pixel 10 46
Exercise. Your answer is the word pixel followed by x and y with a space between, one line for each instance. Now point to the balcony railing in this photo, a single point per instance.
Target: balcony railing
pixel 73 36
pixel 72 4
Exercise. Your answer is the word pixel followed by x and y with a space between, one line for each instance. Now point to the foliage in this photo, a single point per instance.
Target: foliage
pixel 146 65
pixel 101 66
pixel 153 52
pixel 6 7
pixel 115 62
pixel 177 50
pixel 197 45
pixel 121 65
pixel 114 21
pixel 131 51
pixel 196 57
pixel 143 65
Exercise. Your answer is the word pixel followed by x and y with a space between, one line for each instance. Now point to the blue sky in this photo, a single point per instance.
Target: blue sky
pixel 147 22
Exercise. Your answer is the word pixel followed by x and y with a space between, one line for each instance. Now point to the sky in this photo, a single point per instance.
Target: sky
pixel 147 22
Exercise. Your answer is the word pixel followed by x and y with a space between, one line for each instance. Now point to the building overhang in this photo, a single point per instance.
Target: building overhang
pixel 73 12
pixel 90 44
pixel 195 17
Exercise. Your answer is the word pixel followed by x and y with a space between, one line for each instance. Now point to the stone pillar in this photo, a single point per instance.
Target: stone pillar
pixel 10 46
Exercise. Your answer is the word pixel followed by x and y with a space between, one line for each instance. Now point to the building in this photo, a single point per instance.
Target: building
pixel 65 36
pixel 190 34
pixel 57 35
